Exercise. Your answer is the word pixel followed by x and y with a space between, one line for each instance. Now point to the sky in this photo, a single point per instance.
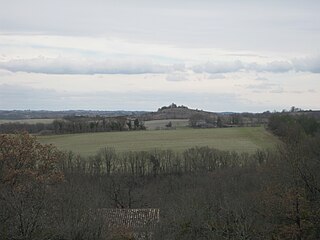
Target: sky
pixel 215 55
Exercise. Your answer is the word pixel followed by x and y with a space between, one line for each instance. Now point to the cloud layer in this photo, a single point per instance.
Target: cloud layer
pixel 88 67
pixel 216 24
pixel 131 54
pixel 307 64
pixel 73 66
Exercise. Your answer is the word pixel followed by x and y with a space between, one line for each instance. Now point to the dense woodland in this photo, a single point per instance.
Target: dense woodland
pixel 202 193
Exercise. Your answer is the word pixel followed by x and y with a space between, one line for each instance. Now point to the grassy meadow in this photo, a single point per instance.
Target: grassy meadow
pixel 161 124
pixel 242 139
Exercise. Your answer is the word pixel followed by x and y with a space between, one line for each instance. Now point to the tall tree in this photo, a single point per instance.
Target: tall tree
pixel 28 170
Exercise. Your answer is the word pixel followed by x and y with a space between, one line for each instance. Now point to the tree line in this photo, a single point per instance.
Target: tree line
pixel 70 125
pixel 199 120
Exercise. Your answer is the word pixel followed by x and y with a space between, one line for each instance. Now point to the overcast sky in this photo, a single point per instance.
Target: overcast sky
pixel 247 55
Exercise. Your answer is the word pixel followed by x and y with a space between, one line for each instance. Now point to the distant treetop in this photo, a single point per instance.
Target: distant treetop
pixel 172 105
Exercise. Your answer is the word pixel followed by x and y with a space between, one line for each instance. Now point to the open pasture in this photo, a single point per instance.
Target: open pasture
pixel 161 124
pixel 247 139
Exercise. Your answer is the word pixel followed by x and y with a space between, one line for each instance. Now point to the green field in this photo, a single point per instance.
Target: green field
pixel 29 121
pixel 246 139
pixel 161 124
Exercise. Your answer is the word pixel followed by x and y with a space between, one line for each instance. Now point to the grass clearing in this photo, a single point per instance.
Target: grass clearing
pixel 161 124
pixel 242 139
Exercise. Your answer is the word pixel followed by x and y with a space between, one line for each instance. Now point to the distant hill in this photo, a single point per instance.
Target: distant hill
pixel 176 112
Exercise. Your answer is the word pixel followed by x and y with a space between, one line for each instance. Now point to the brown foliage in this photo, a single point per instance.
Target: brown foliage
pixel 27 172
pixel 23 160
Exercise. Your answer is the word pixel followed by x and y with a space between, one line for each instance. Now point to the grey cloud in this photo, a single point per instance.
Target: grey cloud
pixel 277 90
pixel 138 66
pixel 216 76
pixel 274 66
pixel 72 66
pixel 297 91
pixel 4 72
pixel 261 79
pixel 179 67
pixel 234 66
pixel 261 86
pixel 312 91
pixel 218 67
pixel 307 64
pixel 244 55
pixel 177 76
pixel 195 23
